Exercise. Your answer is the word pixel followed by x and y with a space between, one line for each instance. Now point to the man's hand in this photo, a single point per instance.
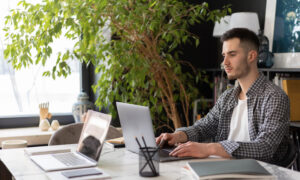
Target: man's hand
pixel 193 149
pixel 199 150
pixel 172 138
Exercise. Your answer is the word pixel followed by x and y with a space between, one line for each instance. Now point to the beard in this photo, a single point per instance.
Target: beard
pixel 237 73
pixel 239 70
pixel 231 77
pixel 230 73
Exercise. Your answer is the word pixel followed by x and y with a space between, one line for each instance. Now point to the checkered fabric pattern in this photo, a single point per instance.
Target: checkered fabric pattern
pixel 268 118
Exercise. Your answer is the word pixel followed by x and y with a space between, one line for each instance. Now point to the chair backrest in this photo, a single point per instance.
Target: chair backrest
pixel 70 134
pixel 291 157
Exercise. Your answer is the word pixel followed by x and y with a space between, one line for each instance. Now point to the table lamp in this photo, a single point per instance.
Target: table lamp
pixel 247 20
pixel 221 27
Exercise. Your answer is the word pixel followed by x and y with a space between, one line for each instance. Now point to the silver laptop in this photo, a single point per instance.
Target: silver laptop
pixel 136 122
pixel 88 150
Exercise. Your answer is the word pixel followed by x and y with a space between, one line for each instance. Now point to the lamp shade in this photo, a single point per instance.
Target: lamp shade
pixel 221 27
pixel 247 20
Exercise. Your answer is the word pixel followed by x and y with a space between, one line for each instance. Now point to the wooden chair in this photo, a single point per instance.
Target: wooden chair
pixel 70 134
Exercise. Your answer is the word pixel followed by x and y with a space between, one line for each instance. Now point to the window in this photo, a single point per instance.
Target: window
pixel 22 91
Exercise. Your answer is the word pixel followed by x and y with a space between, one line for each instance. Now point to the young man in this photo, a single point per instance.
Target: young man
pixel 249 121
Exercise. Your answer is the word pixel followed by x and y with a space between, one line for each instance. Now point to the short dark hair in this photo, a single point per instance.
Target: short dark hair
pixel 245 35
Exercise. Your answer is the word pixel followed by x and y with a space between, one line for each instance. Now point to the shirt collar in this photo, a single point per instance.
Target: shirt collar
pixel 254 88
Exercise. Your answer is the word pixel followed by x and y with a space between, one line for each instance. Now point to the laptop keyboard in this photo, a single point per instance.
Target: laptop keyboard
pixel 69 159
pixel 165 152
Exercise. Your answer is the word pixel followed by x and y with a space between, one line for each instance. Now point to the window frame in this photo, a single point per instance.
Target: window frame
pixel 86 81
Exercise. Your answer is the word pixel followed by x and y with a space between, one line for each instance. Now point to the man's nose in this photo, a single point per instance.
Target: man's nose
pixel 225 60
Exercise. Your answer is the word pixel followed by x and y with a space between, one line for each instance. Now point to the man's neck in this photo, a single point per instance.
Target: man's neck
pixel 246 83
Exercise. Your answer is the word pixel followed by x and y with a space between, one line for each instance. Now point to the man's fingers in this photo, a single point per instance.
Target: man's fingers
pixel 158 139
pixel 179 151
pixel 183 154
pixel 166 136
pixel 163 136
pixel 161 143
pixel 178 148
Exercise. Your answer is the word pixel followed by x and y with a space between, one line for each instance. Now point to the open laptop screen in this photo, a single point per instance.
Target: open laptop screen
pixel 93 134
pixel 136 122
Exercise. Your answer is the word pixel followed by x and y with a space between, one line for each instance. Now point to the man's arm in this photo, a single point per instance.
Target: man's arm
pixel 200 131
pixel 206 127
pixel 200 150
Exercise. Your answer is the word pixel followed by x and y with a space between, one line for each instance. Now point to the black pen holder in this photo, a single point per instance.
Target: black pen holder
pixel 148 162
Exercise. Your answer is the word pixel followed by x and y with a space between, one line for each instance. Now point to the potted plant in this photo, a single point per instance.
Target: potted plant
pixel 139 64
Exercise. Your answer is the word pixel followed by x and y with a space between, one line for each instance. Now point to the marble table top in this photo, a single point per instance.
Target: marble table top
pixel 119 164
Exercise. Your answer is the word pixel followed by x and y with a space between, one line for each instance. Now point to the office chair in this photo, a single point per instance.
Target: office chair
pixel 70 134
pixel 289 160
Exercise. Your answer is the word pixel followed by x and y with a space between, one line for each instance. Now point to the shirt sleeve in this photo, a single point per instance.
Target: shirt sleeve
pixel 206 127
pixel 271 132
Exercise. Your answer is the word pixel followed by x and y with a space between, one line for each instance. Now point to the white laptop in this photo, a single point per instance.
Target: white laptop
pixel 136 122
pixel 88 150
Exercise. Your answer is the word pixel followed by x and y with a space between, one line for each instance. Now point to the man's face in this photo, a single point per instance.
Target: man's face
pixel 235 59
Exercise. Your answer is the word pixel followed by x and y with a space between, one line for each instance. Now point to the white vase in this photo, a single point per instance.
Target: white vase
pixel 54 125
pixel 44 125
pixel 81 106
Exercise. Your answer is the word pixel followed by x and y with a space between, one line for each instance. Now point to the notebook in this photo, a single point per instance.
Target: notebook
pixel 233 169
pixel 88 150
pixel 136 122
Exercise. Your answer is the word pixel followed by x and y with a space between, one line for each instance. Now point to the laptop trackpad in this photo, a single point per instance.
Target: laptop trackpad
pixel 168 149
pixel 47 161
pixel 164 152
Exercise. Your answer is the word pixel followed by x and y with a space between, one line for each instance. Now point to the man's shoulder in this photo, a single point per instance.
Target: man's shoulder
pixel 229 91
pixel 228 94
pixel 272 89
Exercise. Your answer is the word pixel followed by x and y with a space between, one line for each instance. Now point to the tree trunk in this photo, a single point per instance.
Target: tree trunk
pixel 175 117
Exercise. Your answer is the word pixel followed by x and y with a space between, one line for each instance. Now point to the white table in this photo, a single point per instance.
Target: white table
pixel 119 163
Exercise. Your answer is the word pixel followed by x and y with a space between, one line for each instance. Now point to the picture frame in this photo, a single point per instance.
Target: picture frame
pixel 287 58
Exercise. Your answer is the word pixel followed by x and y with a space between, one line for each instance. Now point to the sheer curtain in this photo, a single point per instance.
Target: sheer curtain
pixel 21 91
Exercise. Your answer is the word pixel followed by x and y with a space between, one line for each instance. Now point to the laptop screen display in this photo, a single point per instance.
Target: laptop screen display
pixel 136 122
pixel 93 134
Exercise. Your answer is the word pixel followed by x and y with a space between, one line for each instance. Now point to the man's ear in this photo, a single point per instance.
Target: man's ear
pixel 252 56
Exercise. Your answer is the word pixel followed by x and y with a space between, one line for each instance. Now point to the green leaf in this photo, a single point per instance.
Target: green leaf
pixel 132 66
pixel 46 73
pixel 197 42
pixel 153 4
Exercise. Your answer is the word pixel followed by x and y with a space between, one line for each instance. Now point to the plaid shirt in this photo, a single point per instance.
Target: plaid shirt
pixel 268 120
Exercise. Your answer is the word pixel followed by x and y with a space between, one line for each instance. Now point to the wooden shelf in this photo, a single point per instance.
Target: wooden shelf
pixel 33 135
